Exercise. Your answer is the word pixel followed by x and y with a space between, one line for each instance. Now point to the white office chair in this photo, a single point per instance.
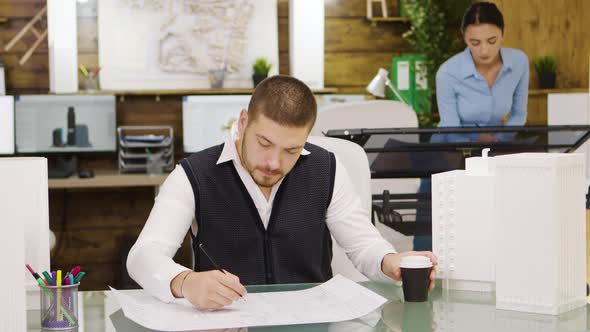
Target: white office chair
pixel 365 114
pixel 374 114
pixel 354 159
pixel 371 114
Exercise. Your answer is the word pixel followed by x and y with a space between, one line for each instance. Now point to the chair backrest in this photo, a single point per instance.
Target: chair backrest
pixel 373 114
pixel 354 159
pixel 365 114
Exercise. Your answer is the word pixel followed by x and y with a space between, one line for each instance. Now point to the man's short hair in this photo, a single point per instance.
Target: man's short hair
pixel 285 100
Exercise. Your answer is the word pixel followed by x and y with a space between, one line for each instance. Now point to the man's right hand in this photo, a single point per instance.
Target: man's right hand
pixel 210 289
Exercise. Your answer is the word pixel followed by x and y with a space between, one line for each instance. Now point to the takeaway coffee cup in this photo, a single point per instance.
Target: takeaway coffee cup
pixel 415 277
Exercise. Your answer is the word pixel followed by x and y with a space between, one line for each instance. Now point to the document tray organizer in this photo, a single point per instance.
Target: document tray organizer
pixel 138 143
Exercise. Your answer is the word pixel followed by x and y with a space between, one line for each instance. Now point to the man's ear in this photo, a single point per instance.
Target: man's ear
pixel 242 122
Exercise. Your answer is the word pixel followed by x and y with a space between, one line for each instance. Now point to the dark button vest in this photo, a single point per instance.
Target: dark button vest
pixel 295 248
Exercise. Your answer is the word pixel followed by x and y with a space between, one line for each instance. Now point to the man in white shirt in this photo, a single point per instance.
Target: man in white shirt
pixel 265 205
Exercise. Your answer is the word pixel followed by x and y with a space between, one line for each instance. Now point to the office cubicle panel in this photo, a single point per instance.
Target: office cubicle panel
pixel 206 120
pixel 6 125
pixel 65 123
pixel 24 192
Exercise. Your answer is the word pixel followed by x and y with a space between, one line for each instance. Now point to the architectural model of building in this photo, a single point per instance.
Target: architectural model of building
pixel 514 224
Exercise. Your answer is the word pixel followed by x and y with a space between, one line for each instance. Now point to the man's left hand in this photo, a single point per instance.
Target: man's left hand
pixel 390 264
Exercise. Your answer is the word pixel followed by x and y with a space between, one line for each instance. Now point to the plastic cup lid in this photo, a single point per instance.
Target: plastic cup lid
pixel 415 262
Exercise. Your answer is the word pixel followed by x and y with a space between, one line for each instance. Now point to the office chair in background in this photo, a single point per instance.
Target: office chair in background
pixel 374 114
pixel 354 159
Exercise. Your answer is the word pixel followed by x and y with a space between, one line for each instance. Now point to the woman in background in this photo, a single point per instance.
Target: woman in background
pixel 480 86
pixel 483 84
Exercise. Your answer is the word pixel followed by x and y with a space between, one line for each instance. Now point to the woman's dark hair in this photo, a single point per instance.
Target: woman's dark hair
pixel 482 12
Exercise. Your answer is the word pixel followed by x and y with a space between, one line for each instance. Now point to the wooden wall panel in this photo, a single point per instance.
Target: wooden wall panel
pixel 355 49
pixel 342 8
pixel 33 77
pixel 355 35
pixel 356 8
pixel 551 27
pixel 93 226
pixel 537 110
pixel 283 34
pixel 352 44
pixel 30 78
pixel 350 68
pixel 12 27
pixel 284 62
pixel 20 8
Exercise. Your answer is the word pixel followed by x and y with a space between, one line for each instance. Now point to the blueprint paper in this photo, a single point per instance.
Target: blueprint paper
pixel 338 299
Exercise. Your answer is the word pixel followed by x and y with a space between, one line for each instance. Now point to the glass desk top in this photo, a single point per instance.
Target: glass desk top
pixel 457 311
pixel 516 138
pixel 420 152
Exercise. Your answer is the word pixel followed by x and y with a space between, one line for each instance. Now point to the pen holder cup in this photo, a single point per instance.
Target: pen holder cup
pixel 59 307
pixel 90 83
pixel 155 164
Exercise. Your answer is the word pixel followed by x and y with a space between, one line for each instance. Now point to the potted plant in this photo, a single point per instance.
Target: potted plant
pixel 260 70
pixel 434 35
pixel 546 67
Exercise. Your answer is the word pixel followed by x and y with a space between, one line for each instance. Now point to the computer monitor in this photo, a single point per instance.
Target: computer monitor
pixel 65 123
pixel 206 120
pixel 6 125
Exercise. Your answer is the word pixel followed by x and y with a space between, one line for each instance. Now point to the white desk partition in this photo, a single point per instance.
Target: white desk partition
pixel 24 202
pixel 12 251
pixel 206 120
pixel 6 125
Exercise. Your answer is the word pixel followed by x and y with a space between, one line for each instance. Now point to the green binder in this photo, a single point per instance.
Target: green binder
pixel 410 81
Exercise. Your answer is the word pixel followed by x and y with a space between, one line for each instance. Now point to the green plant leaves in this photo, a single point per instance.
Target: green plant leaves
pixel 261 67
pixel 545 65
pixel 432 37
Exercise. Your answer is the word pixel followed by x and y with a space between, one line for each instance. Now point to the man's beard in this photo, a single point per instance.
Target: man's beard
pixel 250 169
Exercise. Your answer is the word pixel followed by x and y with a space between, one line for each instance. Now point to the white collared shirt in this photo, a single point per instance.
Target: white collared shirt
pixel 150 261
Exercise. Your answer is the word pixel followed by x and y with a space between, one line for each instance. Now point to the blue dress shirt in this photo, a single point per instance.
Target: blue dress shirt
pixel 465 99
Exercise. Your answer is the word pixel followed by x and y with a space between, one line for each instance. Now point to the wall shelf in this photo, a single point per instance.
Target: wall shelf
pixel 389 19
pixel 375 20
pixel 535 92
pixel 109 179
pixel 189 92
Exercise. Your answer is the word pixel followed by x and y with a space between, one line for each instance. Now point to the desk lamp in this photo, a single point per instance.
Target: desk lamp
pixel 377 86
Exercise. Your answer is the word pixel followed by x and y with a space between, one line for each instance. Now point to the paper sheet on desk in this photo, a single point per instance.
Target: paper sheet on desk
pixel 336 300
